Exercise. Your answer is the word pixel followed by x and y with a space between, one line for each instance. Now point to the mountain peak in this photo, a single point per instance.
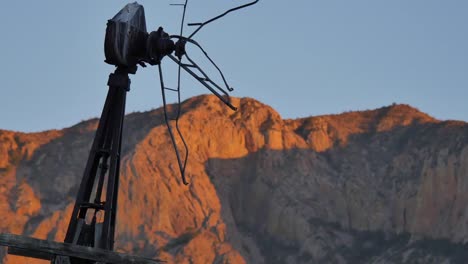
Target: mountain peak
pixel 345 179
pixel 400 115
pixel 322 132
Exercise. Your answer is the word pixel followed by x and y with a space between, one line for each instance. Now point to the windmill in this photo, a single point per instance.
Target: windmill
pixel 90 235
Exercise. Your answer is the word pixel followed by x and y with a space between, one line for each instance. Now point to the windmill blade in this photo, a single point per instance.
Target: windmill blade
pixel 191 41
pixel 182 168
pixel 205 76
pixel 182 164
pixel 208 83
pixel 201 25
pixel 181 33
pixel 180 52
pixel 184 5
pixel 212 86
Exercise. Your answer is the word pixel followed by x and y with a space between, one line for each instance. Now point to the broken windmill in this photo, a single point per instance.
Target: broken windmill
pixel 89 238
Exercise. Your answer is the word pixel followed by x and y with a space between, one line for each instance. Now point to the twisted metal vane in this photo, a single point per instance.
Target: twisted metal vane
pixel 191 67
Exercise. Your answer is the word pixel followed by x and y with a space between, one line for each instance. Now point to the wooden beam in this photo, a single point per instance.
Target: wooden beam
pixel 29 253
pixel 22 245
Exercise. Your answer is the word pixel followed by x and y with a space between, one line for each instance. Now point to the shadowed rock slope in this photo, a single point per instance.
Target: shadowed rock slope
pixel 382 186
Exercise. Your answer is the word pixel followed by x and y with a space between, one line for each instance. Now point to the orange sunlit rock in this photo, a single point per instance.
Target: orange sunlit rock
pixel 262 189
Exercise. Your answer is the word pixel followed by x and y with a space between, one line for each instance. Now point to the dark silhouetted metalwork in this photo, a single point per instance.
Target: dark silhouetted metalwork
pixel 144 48
pixel 127 45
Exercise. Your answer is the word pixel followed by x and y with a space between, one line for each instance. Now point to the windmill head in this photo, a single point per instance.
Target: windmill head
pixel 127 43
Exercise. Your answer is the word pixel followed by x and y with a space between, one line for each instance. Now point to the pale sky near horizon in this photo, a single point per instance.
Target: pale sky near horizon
pixel 303 57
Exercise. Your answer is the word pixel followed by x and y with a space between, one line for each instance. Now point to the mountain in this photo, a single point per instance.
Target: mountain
pixel 388 185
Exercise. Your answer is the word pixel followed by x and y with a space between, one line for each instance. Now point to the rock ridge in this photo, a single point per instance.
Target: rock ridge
pixel 378 186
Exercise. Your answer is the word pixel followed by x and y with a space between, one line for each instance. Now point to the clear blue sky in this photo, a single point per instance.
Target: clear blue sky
pixel 302 57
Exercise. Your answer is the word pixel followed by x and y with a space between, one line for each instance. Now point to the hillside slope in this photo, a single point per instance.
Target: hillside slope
pixel 380 186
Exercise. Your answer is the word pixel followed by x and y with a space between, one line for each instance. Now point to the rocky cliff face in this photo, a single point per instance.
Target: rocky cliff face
pixel 383 186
